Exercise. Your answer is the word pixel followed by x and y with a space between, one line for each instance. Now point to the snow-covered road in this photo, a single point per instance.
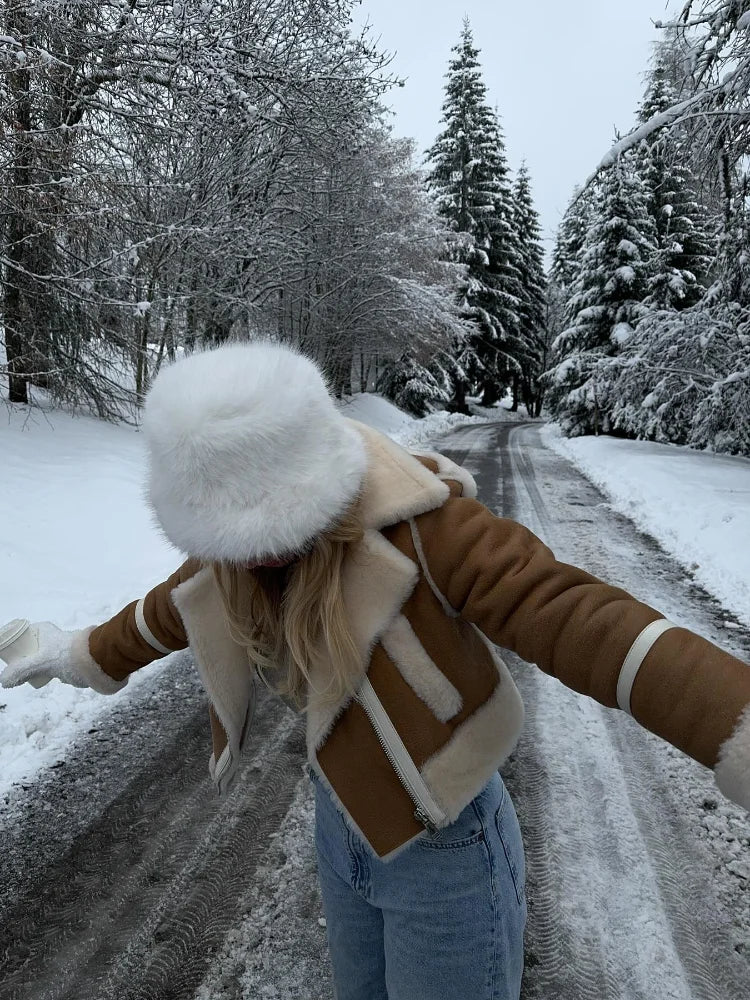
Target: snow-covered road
pixel 124 877
pixel 123 871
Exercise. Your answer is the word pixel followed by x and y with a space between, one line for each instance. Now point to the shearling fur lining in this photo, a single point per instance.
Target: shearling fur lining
pixel 396 486
pixel 80 658
pixel 377 580
pixel 229 682
pixel 448 469
pixel 732 772
pixel 422 675
pixel 461 769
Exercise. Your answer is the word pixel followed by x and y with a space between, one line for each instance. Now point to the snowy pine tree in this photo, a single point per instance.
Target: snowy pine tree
pixel 685 246
pixel 683 374
pixel 722 421
pixel 533 296
pixel 571 236
pixel 606 301
pixel 414 387
pixel 685 377
pixel 469 179
pixel 566 259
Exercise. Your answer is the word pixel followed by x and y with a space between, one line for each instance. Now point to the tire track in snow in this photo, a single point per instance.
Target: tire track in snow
pixel 135 907
pixel 622 902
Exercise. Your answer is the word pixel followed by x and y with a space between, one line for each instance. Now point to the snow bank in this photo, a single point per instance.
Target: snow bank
pixel 76 544
pixel 695 503
pixel 407 430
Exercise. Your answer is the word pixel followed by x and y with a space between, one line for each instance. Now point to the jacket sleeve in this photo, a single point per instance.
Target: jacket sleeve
pixel 592 636
pixel 143 631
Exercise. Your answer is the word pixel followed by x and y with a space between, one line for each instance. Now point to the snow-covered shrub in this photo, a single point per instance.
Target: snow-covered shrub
pixel 722 421
pixel 412 386
pixel 685 379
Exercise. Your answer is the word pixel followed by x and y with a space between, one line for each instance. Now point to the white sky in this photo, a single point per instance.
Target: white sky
pixel 564 74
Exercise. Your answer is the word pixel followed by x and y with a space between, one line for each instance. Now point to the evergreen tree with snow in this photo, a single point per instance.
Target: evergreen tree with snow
pixel 532 309
pixel 685 244
pixel 686 376
pixel 567 258
pixel 571 236
pixel 606 301
pixel 469 178
pixel 413 386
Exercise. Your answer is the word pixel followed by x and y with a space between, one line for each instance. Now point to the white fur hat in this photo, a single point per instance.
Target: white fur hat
pixel 249 457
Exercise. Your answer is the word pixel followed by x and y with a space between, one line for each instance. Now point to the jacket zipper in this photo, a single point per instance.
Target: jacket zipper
pixel 428 812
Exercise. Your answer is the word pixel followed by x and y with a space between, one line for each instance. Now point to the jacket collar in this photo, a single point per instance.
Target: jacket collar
pixel 397 485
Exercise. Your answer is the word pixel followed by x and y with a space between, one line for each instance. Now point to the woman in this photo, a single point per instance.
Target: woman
pixel 369 586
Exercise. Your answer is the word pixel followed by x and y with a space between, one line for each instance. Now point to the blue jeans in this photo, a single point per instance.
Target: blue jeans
pixel 443 920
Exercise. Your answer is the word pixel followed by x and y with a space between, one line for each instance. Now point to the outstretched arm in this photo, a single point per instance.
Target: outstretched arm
pixel 595 638
pixel 103 657
pixel 144 630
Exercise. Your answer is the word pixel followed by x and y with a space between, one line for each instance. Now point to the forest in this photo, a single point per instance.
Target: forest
pixel 174 175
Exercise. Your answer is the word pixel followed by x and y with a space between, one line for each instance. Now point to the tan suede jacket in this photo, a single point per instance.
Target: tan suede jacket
pixel 435 583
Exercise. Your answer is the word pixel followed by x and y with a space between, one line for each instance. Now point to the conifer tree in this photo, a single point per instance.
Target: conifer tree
pixel 571 236
pixel 413 386
pixel 685 248
pixel 606 301
pixel 566 259
pixel 469 179
pixel 533 295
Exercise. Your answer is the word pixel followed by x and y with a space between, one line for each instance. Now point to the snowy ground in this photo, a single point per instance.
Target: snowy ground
pixel 77 543
pixel 695 503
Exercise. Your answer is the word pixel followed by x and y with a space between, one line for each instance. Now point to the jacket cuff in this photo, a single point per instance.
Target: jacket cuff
pixel 732 771
pixel 84 664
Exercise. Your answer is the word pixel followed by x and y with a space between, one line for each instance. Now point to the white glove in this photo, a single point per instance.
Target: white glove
pixel 64 655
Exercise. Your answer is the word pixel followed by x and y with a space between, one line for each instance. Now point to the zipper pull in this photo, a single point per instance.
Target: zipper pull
pixel 425 820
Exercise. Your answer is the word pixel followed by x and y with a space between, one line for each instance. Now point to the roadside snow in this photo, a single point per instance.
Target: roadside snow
pixel 76 545
pixel 695 503
pixel 407 430
pixel 411 432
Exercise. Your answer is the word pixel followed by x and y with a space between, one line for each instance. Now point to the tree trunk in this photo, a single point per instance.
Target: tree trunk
pixel 343 362
pixel 458 404
pixel 362 373
pixel 18 330
pixel 516 394
pixel 18 383
pixel 490 395
pixel 141 360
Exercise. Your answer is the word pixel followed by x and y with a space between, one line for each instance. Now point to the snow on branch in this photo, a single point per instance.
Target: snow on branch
pixel 672 116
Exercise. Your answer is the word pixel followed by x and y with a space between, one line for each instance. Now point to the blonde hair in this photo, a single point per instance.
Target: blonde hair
pixel 291 618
